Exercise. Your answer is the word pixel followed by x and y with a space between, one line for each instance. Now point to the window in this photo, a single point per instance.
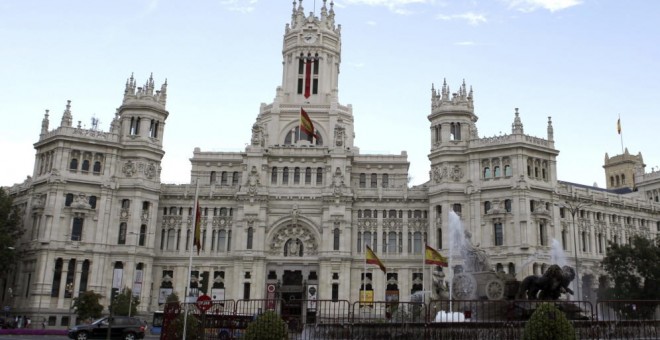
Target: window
pixel 212 179
pixel 499 234
pixel 296 175
pixel 507 205
pixel 363 180
pixel 77 229
pixel 222 239
pixel 417 243
pixel 234 178
pixel 486 172
pixel 497 172
pixel 335 292
pixel 386 181
pixel 125 204
pixel 250 236
pixel 374 181
pixel 68 200
pixel 273 175
pixel 246 291
pixel 457 208
pixel 308 175
pixel 121 238
pixel 439 244
pixel 335 239
pixel 285 176
pixel 92 202
pixel 542 240
pixel 85 165
pixel 507 170
pixel 486 207
pixel 57 278
pixel 319 176
pixel 84 275
pixel 142 240
pixel 223 178
pixel 74 164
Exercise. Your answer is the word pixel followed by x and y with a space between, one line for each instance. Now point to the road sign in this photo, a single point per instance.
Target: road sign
pixel 204 302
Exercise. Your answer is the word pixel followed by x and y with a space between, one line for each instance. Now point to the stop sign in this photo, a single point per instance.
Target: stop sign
pixel 204 302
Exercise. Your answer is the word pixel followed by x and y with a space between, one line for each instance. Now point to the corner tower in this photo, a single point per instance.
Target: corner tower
pixel 620 170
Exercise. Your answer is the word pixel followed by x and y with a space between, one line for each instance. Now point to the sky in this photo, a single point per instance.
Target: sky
pixel 582 62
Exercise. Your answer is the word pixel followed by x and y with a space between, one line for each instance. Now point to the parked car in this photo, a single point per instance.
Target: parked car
pixel 7 323
pixel 121 327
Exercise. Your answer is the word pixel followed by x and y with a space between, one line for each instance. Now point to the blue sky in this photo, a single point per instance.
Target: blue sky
pixel 583 62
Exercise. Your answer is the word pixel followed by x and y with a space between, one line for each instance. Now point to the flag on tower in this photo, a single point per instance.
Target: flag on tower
pixel 373 259
pixel 618 126
pixel 198 226
pixel 432 256
pixel 306 124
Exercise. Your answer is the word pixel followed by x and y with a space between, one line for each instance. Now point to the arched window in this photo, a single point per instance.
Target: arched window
pixel 486 207
pixel 212 179
pixel 374 181
pixel 223 178
pixel 92 202
pixel 74 164
pixel 497 171
pixel 386 181
pixel 285 176
pixel 507 170
pixel 234 178
pixel 507 205
pixel 486 172
pixel 85 165
pixel 57 278
pixel 273 175
pixel 125 203
pixel 68 200
pixel 97 167
pixel 296 175
pixel 308 175
pixel 142 240
pixel 319 176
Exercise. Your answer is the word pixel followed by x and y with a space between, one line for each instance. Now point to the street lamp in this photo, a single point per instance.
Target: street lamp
pixel 69 289
pixel 573 208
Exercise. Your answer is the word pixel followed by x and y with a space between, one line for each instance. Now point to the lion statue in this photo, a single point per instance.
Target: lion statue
pixel 550 286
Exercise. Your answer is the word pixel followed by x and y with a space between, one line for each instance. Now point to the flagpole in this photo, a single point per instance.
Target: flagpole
pixel 364 276
pixel 424 274
pixel 185 293
pixel 299 121
pixel 620 133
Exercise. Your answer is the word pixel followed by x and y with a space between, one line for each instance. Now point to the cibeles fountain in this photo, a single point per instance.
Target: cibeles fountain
pixel 479 281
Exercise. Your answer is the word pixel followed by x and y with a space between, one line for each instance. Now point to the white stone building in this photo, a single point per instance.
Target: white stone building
pixel 296 210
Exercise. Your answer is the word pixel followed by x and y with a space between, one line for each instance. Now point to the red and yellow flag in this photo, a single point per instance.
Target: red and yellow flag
pixel 198 226
pixel 432 256
pixel 306 124
pixel 373 259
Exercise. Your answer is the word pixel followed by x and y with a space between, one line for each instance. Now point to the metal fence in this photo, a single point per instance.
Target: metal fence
pixel 441 319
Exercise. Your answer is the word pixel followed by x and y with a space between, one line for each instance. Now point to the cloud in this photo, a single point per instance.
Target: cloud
pixel 371 23
pixel 472 18
pixel 550 5
pixel 243 6
pixel 396 6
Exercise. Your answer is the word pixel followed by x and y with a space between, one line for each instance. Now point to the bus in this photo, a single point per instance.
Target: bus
pixel 157 323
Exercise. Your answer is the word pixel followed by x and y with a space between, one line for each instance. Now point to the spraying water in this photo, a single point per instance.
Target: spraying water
pixel 456 244
pixel 557 255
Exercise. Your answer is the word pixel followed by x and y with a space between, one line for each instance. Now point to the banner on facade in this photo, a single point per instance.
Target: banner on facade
pixel 137 284
pixel 366 298
pixel 217 294
pixel 312 296
pixel 117 277
pixel 270 296
pixel 163 294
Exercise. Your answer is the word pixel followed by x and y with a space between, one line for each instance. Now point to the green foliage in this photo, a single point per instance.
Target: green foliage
pixel 10 232
pixel 194 329
pixel 87 305
pixel 634 269
pixel 121 303
pixel 548 323
pixel 268 326
pixel 172 298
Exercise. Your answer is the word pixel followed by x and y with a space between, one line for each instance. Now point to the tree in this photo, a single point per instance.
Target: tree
pixel 122 302
pixel 548 322
pixel 268 326
pixel 87 305
pixel 10 232
pixel 172 298
pixel 634 269
pixel 193 327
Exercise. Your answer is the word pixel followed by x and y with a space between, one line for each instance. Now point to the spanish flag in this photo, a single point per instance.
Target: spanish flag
pixel 198 226
pixel 432 256
pixel 373 259
pixel 618 126
pixel 306 124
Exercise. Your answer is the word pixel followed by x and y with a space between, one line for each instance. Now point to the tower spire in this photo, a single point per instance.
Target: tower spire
pixel 67 118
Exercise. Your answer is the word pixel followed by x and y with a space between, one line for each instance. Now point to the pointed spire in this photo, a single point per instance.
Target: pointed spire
pixel 517 126
pixel 44 123
pixel 551 131
pixel 67 118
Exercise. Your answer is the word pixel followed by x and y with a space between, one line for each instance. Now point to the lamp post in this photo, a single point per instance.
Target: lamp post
pixel 69 289
pixel 573 208
pixel 137 240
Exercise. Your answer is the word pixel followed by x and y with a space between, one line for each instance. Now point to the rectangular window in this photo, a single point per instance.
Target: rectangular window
pixel 335 292
pixel 77 229
pixel 335 243
pixel 499 234
pixel 542 240
pixel 246 291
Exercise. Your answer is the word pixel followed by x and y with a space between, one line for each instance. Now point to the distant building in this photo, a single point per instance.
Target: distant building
pixel 293 213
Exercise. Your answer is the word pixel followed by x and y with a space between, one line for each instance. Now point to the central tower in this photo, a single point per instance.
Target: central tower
pixel 311 55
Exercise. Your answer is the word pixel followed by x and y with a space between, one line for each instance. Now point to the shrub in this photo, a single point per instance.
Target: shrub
pixel 268 326
pixel 548 323
pixel 194 328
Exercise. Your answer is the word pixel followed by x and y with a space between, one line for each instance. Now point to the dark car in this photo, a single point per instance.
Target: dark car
pixel 123 327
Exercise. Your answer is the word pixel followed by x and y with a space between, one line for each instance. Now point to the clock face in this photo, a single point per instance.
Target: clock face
pixel 309 38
